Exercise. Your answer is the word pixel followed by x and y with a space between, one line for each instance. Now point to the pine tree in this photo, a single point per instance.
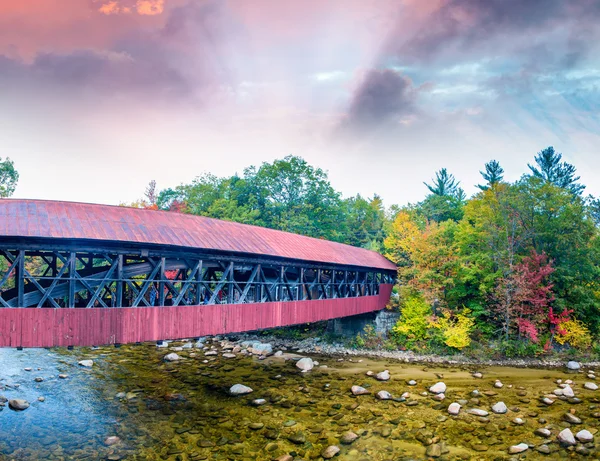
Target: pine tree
pixel 561 174
pixel 493 174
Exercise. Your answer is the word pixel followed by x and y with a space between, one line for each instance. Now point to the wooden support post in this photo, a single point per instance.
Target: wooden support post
pixel 72 279
pixel 119 294
pixel 230 286
pixel 20 278
pixel 161 284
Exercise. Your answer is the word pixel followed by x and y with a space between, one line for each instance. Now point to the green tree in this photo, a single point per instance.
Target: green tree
pixel 493 174
pixel 444 184
pixel 550 168
pixel 9 177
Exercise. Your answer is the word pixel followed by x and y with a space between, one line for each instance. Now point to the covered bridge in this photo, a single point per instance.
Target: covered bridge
pixel 77 274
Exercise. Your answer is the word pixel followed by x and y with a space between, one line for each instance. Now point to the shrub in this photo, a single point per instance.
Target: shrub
pixel 456 330
pixel 575 333
pixel 414 320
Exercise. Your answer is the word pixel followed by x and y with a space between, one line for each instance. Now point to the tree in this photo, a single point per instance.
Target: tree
pixel 293 196
pixel 150 193
pixel 561 174
pixel 444 184
pixel 523 296
pixel 493 174
pixel 9 177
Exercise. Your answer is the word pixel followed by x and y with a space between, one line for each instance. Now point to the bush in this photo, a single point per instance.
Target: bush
pixel 520 348
pixel 575 333
pixel 414 320
pixel 456 330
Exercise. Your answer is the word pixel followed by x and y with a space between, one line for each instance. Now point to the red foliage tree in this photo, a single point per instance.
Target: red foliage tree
pixel 523 296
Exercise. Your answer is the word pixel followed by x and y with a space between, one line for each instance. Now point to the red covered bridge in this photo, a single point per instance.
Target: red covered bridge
pixel 75 274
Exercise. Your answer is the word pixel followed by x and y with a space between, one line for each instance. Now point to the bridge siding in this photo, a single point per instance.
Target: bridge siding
pixel 49 327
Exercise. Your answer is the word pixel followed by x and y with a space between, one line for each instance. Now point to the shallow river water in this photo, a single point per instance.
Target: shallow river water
pixel 183 411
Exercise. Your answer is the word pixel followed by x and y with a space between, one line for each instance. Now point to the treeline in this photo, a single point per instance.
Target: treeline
pixel 288 194
pixel 516 264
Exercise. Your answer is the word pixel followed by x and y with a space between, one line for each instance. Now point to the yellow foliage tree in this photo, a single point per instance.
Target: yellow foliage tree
pixel 456 329
pixel 575 333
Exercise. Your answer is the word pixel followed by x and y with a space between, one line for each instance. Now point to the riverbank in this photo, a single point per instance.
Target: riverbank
pixel 318 345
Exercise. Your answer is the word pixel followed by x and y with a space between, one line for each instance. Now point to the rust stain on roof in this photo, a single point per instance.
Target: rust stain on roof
pixel 52 219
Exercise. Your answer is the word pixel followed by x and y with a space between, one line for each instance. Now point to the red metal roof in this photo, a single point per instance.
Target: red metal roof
pixel 51 219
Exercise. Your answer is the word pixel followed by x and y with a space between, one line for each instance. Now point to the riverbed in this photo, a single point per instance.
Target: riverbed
pixel 133 405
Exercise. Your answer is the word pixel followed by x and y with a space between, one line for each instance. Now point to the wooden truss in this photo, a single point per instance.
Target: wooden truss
pixel 48 276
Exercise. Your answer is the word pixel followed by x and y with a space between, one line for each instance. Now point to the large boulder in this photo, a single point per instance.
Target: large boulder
pixel 383 376
pixel 454 408
pixel 438 388
pixel 305 364
pixel 566 437
pixel 358 390
pixel 18 404
pixel 499 408
pixel 240 389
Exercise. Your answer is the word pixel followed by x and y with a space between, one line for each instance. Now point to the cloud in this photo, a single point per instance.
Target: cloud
pixel 382 96
pixel 150 7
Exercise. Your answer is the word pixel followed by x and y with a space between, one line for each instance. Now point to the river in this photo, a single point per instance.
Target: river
pixel 133 405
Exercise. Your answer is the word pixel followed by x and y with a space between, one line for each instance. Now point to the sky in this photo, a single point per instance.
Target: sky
pixel 98 97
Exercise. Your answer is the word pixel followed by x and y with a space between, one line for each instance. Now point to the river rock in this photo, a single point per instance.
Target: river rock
pixel 478 412
pixel 239 389
pixel 172 357
pixel 543 432
pixel 305 364
pixel 477 375
pixel 438 388
pixel 584 436
pixel 412 382
pixel 261 349
pixel 298 438
pixel 228 355
pixel 348 437
pixel 434 450
pixel 383 376
pixel 258 402
pixel 112 440
pixel 498 384
pixel 384 395
pixel 547 401
pixel 591 386
pixel 358 390
pixel 566 437
pixel 568 391
pixel 520 448
pixel 63 376
pixel 572 365
pixel 572 419
pixel 86 363
pixel 330 451
pixel 18 404
pixel 499 408
pixel 454 408
pixel 439 397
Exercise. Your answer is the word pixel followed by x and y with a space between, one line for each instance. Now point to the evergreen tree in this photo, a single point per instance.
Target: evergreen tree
pixel 493 174
pixel 550 168
pixel 444 184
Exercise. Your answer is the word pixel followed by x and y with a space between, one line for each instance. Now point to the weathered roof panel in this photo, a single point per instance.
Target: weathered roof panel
pixel 51 219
